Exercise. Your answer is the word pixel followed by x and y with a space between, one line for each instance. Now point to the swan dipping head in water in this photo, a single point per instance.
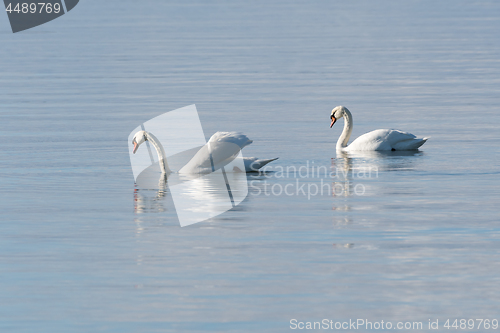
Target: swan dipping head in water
pixel 381 139
pixel 139 138
pixel 224 147
pixel 143 136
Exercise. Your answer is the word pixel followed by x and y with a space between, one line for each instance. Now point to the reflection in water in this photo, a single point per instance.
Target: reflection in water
pixel 196 197
pixel 383 160
pixel 342 186
pixel 199 198
pixel 149 201
pixel 355 170
pixel 339 221
pixel 343 246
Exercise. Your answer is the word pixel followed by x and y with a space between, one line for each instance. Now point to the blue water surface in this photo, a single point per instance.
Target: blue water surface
pixel 417 240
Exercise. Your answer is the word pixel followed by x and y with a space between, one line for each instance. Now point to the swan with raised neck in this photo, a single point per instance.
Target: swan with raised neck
pixel 381 139
pixel 337 113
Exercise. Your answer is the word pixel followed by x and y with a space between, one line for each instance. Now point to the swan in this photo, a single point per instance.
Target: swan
pixel 381 139
pixel 221 149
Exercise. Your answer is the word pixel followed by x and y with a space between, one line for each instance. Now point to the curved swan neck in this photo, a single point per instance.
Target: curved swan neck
pixel 346 133
pixel 162 159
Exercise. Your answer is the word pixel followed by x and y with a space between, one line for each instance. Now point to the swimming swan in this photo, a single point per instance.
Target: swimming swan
pixel 220 150
pixel 381 139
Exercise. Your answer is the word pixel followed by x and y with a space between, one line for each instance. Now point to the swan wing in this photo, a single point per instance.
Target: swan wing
pixel 404 141
pixel 386 139
pixel 239 139
pixel 221 149
pixel 199 163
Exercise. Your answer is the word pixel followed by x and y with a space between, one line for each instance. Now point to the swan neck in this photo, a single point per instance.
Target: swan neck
pixel 346 133
pixel 162 159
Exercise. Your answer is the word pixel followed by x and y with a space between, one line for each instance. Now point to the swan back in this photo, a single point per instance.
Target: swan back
pixel 221 149
pixel 239 139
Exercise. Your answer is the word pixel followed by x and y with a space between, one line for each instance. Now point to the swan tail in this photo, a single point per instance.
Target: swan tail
pixel 409 144
pixel 419 143
pixel 252 164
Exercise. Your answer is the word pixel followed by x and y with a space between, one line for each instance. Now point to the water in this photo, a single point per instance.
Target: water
pixel 79 254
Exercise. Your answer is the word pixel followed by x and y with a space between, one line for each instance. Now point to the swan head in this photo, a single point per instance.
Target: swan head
pixel 139 139
pixel 337 113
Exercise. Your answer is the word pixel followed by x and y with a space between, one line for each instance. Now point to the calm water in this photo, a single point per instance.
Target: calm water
pixel 80 251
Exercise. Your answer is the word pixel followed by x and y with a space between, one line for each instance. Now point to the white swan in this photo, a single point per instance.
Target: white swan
pixel 381 139
pixel 221 150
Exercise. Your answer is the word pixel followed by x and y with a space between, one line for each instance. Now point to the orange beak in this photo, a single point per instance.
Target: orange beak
pixel 333 121
pixel 135 147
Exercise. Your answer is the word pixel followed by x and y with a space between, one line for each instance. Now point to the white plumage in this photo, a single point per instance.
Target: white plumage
pixel 381 139
pixel 224 148
pixel 220 151
pixel 239 139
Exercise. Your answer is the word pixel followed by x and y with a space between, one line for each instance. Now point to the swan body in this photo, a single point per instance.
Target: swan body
pixel 222 148
pixel 239 139
pixel 224 140
pixel 379 140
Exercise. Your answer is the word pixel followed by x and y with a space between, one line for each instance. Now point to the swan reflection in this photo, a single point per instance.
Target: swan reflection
pixel 149 201
pixel 196 197
pixel 343 183
pixel 404 160
pixel 216 181
pixel 343 246
pixel 356 171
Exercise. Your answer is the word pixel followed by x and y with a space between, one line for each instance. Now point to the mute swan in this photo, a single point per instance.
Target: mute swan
pixel 224 147
pixel 381 139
